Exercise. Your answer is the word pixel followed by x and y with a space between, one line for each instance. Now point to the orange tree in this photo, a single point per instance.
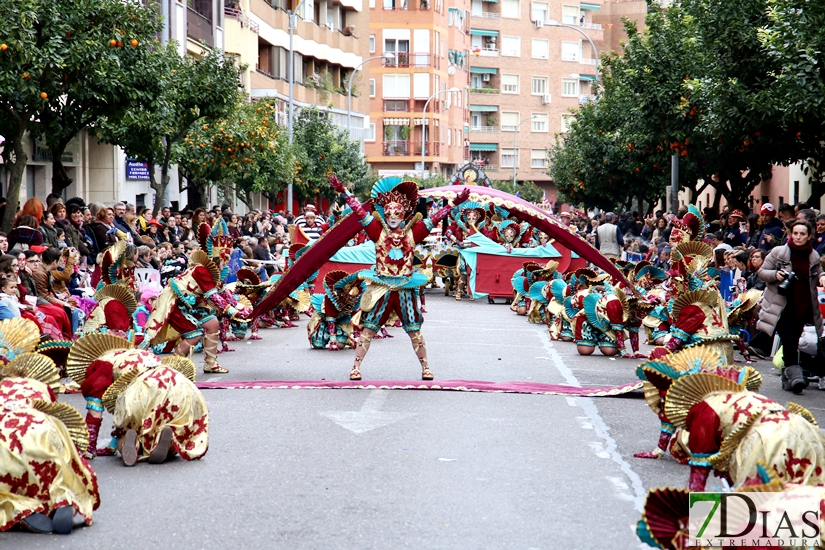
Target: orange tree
pixel 63 65
pixel 243 153
pixel 192 91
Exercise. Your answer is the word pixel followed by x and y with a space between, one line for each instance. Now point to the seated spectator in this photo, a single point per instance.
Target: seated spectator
pixel 26 233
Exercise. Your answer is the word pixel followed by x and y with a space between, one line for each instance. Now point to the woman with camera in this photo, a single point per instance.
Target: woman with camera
pixel 792 273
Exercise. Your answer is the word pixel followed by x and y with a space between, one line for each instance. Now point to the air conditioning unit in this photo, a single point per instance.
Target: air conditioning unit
pixel 485 77
pixel 546 98
pixel 490 39
pixel 539 23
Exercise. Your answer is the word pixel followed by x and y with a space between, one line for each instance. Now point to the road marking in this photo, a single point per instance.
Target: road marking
pixel 369 417
pixel 607 448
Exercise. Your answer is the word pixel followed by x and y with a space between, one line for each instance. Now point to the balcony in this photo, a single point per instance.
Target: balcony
pixel 487 129
pixel 396 148
pixel 432 148
pixel 412 60
pixel 487 51
pixel 586 98
pixel 587 61
pixel 592 26
pixel 230 12
pixel 485 91
pixel 407 5
pixel 486 15
pixel 199 27
pixel 396 105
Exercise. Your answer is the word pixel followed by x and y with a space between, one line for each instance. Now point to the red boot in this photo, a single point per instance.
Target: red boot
pixel 93 424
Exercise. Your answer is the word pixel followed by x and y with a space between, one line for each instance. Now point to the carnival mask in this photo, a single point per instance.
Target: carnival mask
pixel 472 217
pixel 394 214
pixel 509 234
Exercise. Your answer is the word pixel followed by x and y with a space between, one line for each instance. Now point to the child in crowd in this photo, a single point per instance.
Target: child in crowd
pixel 8 294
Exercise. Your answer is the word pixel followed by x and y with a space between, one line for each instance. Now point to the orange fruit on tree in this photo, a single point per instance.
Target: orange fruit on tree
pixel 4 47
pixel 113 42
pixel 134 42
pixel 44 95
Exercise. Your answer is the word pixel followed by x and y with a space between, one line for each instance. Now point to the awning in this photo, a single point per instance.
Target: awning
pixel 396 122
pixel 482 70
pixel 483 32
pixel 493 1
pixel 484 147
pixel 456 9
pixel 591 7
pixel 588 77
pixel 483 108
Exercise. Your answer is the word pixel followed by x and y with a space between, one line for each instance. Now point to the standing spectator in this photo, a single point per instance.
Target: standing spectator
pixel 755 261
pixel 734 234
pixel 165 214
pixel 819 239
pixel 754 231
pixel 26 233
pixel 609 238
pixel 772 228
pixel 172 232
pixel 788 311
pixel 232 226
pixel 311 226
pixel 786 213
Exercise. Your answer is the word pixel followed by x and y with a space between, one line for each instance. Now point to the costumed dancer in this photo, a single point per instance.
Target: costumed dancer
pixel 607 311
pixel 158 411
pixel 188 307
pixel 331 324
pixel 116 305
pixel 658 375
pixel 732 429
pixel 468 219
pixel 43 479
pixel 391 285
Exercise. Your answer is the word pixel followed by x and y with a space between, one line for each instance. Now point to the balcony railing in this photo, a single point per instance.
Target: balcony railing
pixel 414 60
pixel 585 98
pixel 587 61
pixel 406 5
pixel 396 105
pixel 430 148
pixel 594 26
pixel 488 129
pixel 199 27
pixel 396 148
pixel 236 13
pixel 487 15
pixel 485 91
pixel 488 51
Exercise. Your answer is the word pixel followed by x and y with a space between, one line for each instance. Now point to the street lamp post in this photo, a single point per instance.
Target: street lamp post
pixel 388 56
pixel 424 124
pixel 554 23
pixel 515 152
pixel 292 22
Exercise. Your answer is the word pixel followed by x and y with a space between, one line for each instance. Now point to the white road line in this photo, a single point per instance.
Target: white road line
pixel 607 448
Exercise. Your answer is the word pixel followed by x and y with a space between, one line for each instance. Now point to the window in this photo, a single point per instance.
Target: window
pixel 372 3
pixel 372 87
pixel 401 49
pixel 509 83
pixel 508 158
pixel 539 11
pixel 475 121
pixel 539 86
pixel 541 48
pixel 511 45
pixel 396 86
pixel 566 119
pixel 570 51
pixel 449 136
pixel 539 124
pixel 510 9
pixel 372 43
pixel 538 158
pixel 569 87
pixel 570 15
pixel 370 133
pixel 509 121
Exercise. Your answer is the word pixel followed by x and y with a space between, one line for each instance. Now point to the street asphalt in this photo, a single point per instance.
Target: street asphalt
pixel 422 469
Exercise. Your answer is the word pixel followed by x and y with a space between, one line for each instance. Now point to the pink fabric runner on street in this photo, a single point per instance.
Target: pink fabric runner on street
pixel 453 385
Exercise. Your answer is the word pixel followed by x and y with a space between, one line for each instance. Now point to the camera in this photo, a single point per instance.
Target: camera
pixel 783 287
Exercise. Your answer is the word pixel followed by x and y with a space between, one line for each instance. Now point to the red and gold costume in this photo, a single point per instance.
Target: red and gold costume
pixel 392 287
pixel 41 472
pixel 732 429
pixel 155 403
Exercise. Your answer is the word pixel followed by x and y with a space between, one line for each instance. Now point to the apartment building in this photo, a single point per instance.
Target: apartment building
pixel 425 46
pixel 329 43
pixel 531 64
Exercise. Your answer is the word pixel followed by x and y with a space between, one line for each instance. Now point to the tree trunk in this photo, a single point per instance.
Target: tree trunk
pixel 18 168
pixel 160 188
pixel 60 178
pixel 195 195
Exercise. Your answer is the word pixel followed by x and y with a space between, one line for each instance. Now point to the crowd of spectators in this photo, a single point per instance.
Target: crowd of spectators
pixel 740 243
pixel 49 261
